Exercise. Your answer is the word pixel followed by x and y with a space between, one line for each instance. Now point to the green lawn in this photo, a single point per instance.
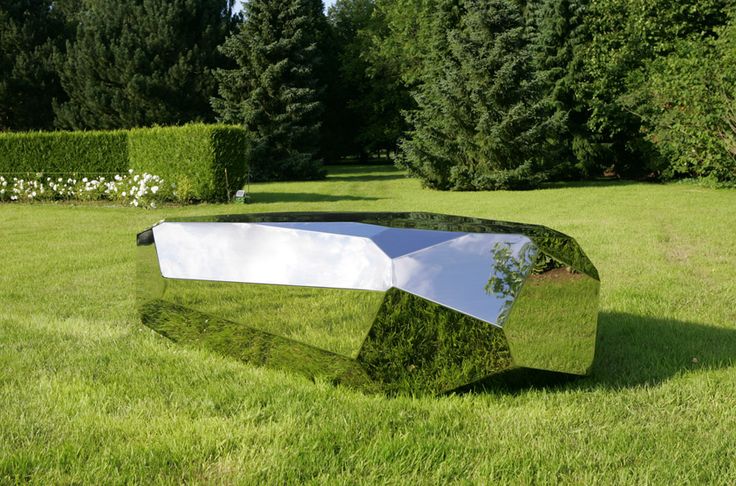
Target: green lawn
pixel 88 395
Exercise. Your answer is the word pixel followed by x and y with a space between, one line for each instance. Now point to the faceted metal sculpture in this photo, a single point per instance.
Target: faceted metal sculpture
pixel 398 302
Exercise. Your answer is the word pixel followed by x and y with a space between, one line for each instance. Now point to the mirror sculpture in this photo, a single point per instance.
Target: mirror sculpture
pixel 394 302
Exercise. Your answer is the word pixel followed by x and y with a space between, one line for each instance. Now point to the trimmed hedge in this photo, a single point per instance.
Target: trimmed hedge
pixel 64 152
pixel 205 161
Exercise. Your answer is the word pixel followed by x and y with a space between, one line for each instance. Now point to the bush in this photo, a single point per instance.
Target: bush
pixel 206 162
pixel 687 101
pixel 82 153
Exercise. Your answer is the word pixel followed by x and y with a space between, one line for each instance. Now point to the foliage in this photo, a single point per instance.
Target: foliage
pixel 480 121
pixel 206 162
pixel 623 35
pixel 557 37
pixel 275 89
pixel 130 188
pixel 687 101
pixel 139 63
pixel 408 35
pixel 81 153
pixel 30 30
pixel 366 95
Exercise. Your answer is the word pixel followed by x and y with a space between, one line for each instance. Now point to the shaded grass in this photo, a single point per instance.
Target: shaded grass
pixel 90 396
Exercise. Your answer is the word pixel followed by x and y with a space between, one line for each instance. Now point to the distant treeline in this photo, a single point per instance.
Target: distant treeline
pixel 468 94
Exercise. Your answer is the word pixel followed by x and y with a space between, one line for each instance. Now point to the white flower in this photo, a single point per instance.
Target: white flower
pixel 124 194
pixel 130 171
pixel 154 189
pixel 135 202
pixel 84 179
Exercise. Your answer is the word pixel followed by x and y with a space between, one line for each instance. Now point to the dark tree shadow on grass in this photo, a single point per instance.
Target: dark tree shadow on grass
pixel 587 184
pixel 368 177
pixel 273 197
pixel 365 173
pixel 632 350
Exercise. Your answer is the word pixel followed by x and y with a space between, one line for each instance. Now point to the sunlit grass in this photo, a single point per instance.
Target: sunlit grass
pixel 90 395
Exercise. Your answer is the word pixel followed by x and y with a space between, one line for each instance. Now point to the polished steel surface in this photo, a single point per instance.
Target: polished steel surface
pixel 415 302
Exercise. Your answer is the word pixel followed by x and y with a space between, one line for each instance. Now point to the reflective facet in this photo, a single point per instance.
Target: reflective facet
pixel 400 302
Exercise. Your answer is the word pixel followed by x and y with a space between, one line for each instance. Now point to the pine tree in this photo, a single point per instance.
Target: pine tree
pixel 557 42
pixel 275 90
pixel 30 30
pixel 143 62
pixel 481 121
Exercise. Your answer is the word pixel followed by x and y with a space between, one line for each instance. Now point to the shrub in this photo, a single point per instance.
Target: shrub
pixel 81 153
pixel 687 101
pixel 206 162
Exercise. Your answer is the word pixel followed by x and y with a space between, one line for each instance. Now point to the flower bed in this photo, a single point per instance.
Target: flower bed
pixel 131 188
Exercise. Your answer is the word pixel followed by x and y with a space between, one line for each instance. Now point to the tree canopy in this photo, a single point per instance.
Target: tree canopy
pixel 275 89
pixel 142 62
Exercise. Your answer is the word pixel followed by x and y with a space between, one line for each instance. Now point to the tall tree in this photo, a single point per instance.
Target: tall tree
pixel 142 62
pixel 367 93
pixel 558 38
pixel 481 122
pixel 30 30
pixel 275 89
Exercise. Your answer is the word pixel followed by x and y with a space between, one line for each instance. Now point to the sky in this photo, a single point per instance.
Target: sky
pixel 328 4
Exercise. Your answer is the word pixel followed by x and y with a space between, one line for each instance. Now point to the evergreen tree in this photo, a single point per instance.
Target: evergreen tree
pixel 30 30
pixel 275 90
pixel 142 62
pixel 481 121
pixel 558 39
pixel 367 94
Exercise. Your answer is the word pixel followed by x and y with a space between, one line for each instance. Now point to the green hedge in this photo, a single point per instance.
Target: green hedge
pixel 205 161
pixel 64 152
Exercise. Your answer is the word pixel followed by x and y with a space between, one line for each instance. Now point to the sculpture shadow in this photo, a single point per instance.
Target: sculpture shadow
pixel 274 197
pixel 631 350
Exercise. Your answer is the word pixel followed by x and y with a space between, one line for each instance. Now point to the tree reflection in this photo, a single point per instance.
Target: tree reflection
pixel 509 270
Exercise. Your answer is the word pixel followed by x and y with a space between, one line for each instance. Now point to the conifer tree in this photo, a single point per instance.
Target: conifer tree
pixel 30 30
pixel 481 121
pixel 142 62
pixel 558 39
pixel 275 89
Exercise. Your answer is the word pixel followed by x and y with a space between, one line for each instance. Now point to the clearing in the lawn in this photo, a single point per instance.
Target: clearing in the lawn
pixel 89 395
